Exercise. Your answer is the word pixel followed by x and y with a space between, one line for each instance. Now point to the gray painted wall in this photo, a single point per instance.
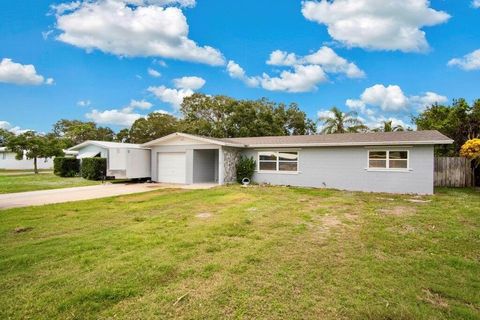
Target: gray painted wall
pixel 345 168
pixel 189 151
pixel 205 167
pixel 93 148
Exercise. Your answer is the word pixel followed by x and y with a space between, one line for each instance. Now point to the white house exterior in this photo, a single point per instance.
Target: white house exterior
pixel 124 160
pixel 9 162
pixel 394 162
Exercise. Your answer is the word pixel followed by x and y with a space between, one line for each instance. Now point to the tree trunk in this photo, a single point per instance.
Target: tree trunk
pixel 35 169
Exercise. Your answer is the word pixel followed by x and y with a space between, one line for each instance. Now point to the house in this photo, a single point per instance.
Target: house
pixel 394 162
pixel 124 160
pixel 8 161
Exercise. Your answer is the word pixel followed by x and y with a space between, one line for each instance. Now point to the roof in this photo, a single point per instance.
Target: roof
pixel 106 144
pixel 348 139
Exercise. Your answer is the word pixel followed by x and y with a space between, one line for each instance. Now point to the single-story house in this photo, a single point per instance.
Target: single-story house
pixel 394 162
pixel 124 160
pixel 8 161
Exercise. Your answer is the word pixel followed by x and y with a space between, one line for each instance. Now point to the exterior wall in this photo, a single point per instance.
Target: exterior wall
pixel 346 168
pixel 230 159
pixel 8 162
pixel 205 166
pixel 189 153
pixel 138 163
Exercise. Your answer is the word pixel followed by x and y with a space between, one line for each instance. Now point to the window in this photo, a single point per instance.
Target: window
pixel 284 161
pixel 394 160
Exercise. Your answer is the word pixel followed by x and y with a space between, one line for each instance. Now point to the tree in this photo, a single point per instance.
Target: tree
pixel 225 117
pixel 471 150
pixel 387 126
pixel 35 146
pixel 5 135
pixel 76 131
pixel 341 122
pixel 154 126
pixel 123 135
pixel 459 121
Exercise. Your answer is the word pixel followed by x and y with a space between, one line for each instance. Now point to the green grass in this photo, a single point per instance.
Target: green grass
pixel 42 181
pixel 233 252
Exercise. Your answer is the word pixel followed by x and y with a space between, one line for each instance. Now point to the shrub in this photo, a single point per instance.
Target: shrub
pixel 245 168
pixel 66 167
pixel 94 168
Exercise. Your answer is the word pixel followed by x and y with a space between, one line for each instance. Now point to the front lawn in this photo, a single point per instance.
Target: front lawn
pixel 43 181
pixel 233 252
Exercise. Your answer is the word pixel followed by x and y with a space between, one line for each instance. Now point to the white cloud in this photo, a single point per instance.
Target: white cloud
pixel 84 103
pixel 376 24
pixel 16 73
pixel 14 129
pixel 154 73
pixel 119 28
pixel 169 95
pixel 468 62
pixel 325 57
pixel 140 104
pixel 163 3
pixel 392 99
pixel 302 79
pixel 193 83
pixel 236 71
pixel 476 4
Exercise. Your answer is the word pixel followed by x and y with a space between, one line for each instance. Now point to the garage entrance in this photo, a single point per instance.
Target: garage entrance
pixel 171 167
pixel 205 166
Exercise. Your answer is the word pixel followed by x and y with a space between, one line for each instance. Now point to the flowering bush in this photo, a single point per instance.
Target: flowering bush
pixel 471 150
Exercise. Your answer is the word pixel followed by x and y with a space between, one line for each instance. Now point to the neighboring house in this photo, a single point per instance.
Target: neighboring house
pixel 124 160
pixel 394 162
pixel 9 162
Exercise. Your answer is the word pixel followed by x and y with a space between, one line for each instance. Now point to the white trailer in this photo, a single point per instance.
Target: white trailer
pixel 124 160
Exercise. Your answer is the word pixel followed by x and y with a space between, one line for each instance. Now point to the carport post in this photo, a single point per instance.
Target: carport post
pixel 220 166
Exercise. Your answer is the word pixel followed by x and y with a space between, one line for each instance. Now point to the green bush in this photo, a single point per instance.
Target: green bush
pixel 94 168
pixel 245 168
pixel 66 167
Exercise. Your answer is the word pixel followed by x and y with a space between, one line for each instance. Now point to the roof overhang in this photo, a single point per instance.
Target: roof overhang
pixel 160 141
pixel 101 145
pixel 349 144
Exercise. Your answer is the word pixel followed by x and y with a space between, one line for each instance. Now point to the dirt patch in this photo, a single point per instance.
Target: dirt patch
pixel 419 201
pixel 397 211
pixel 203 215
pixel 252 209
pixel 22 229
pixel 434 299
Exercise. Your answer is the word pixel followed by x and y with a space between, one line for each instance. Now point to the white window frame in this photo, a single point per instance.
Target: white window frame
pixel 387 159
pixel 277 162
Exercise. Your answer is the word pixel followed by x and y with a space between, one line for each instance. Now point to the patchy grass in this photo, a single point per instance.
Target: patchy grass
pixel 256 253
pixel 42 181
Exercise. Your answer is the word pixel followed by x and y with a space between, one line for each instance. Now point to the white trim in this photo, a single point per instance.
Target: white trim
pixel 277 162
pixel 106 145
pixel 387 160
pixel 193 137
pixel 353 144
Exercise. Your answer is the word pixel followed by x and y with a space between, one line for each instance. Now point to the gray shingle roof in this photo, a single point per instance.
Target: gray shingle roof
pixel 346 139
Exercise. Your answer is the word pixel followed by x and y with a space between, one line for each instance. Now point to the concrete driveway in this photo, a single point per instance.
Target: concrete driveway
pixel 38 198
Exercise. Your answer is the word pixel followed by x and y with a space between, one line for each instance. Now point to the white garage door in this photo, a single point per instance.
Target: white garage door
pixel 171 167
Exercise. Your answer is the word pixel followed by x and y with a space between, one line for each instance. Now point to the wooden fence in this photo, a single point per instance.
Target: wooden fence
pixel 453 172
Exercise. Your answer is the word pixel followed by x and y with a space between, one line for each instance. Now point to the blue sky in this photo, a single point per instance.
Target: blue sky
pixel 91 59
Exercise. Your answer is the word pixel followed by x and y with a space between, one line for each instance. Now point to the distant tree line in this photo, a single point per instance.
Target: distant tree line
pixel 223 117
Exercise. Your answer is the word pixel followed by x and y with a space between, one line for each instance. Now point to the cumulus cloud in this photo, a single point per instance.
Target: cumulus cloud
pixel 123 29
pixel 13 129
pixel 476 4
pixel 392 99
pixel 235 71
pixel 21 74
pixel 184 87
pixel 468 62
pixel 193 83
pixel 154 73
pixel 325 57
pixel 123 117
pixel 376 24
pixel 302 79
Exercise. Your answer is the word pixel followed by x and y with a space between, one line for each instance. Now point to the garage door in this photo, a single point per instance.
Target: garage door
pixel 171 167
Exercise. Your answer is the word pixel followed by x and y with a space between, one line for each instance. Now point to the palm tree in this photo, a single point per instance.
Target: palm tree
pixel 341 122
pixel 387 126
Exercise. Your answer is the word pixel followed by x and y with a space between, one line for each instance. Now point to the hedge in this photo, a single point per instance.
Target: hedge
pixel 94 168
pixel 66 167
pixel 245 168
